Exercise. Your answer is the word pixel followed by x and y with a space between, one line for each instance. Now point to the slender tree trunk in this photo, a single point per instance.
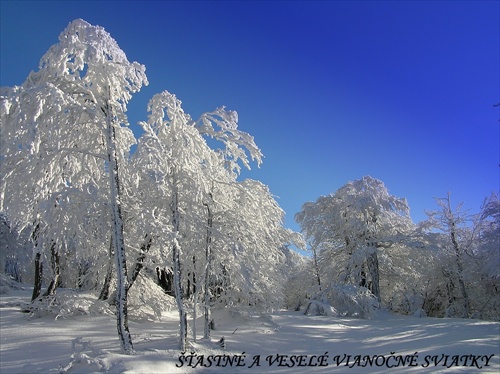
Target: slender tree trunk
pixel 195 313
pixel 208 265
pixel 37 285
pixel 109 273
pixel 118 240
pixel 316 267
pixel 195 299
pixel 316 270
pixel 348 269
pixel 458 261
pixel 187 294
pixel 461 283
pixel 373 270
pixel 139 263
pixel 177 270
pixel 56 269
pixel 194 275
pixel 178 296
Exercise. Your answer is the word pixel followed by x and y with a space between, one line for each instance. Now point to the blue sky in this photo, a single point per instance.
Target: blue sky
pixel 403 91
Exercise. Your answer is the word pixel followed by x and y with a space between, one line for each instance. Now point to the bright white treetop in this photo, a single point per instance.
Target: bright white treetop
pixel 348 229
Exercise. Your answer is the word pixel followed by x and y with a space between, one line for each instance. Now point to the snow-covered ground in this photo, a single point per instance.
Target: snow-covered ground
pixel 285 342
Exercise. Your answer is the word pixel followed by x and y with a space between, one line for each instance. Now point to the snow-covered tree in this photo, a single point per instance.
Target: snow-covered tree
pixel 171 153
pixel 250 239
pixel 300 279
pixel 69 120
pixel 351 228
pixel 218 225
pixel 488 254
pixel 35 170
pixel 465 279
pixel 489 234
pixel 14 258
pixel 461 240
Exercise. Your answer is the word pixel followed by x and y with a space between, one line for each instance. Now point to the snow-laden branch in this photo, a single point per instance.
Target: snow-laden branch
pixel 226 130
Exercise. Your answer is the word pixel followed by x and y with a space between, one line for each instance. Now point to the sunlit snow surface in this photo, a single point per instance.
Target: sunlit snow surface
pixel 89 343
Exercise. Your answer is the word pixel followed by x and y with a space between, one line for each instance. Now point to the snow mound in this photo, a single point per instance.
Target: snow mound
pixel 67 303
pixel 419 313
pixel 84 358
pixel 319 308
pixel 7 285
pixel 240 319
pixel 147 301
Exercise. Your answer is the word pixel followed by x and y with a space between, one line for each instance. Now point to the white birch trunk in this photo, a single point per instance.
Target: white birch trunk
pixel 118 240
pixel 177 271
pixel 109 273
pixel 208 259
pixel 195 313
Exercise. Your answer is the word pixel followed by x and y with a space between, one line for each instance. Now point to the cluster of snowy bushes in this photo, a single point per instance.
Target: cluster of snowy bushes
pixel 170 225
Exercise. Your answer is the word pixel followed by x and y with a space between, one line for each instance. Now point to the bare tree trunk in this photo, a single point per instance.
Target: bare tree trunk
pixel 177 271
pixel 373 270
pixel 348 270
pixel 208 265
pixel 37 284
pixel 139 263
pixel 195 299
pixel 118 240
pixel 56 270
pixel 109 273
pixel 458 261
pixel 191 281
pixel 461 283
pixel 316 271
pixel 193 277
pixel 316 267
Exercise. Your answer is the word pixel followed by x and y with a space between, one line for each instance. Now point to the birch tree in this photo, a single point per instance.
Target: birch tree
pixel 171 152
pixel 80 95
pixel 217 223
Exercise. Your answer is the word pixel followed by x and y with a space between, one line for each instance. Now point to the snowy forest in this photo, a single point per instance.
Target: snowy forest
pixel 101 220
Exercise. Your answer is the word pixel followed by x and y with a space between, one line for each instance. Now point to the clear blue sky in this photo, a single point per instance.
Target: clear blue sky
pixel 402 91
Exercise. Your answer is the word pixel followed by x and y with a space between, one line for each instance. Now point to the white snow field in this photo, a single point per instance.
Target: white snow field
pixel 285 342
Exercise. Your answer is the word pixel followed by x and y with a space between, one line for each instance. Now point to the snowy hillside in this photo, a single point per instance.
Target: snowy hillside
pixel 282 342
